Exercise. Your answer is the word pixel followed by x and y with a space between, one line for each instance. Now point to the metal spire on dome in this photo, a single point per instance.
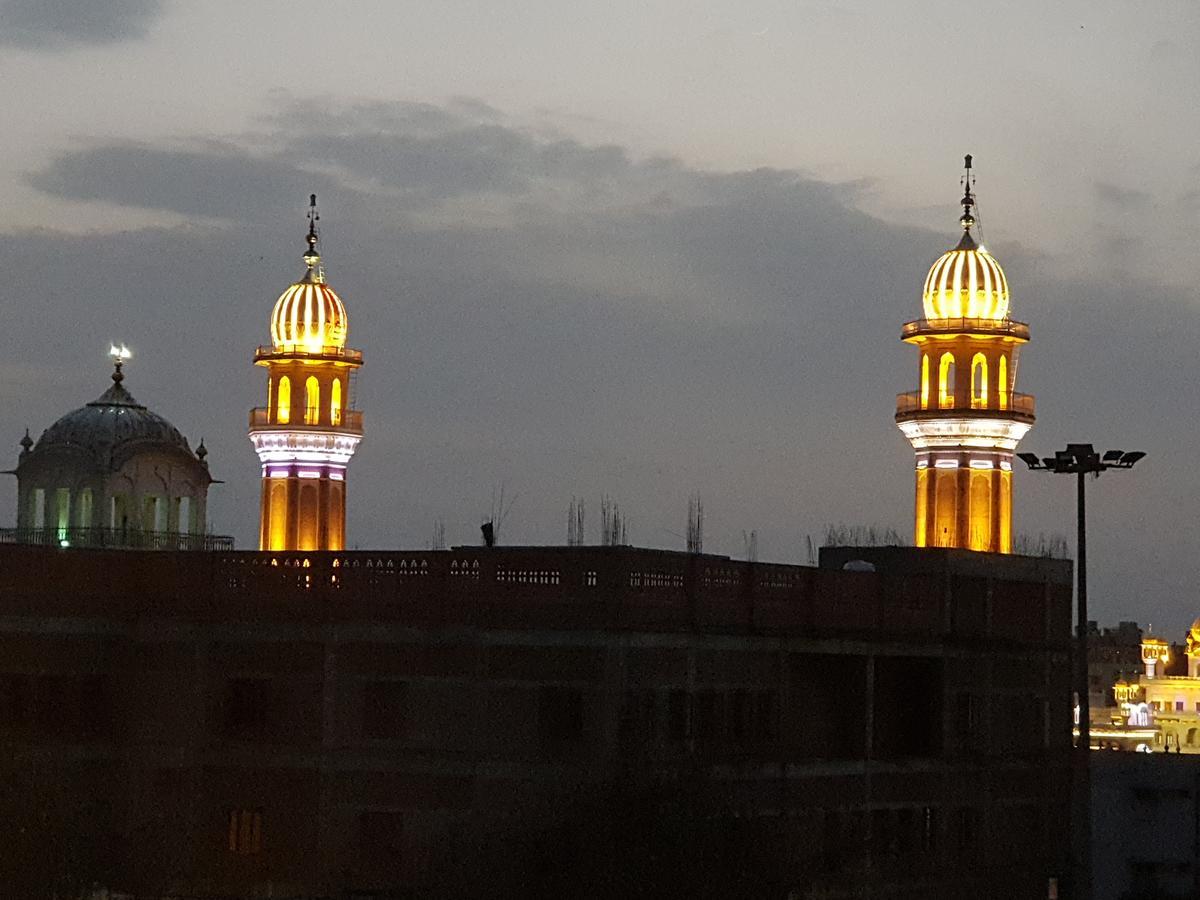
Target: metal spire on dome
pixel 119 356
pixel 968 202
pixel 312 258
pixel 968 199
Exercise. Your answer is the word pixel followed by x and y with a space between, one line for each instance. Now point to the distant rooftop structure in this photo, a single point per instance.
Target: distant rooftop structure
pixel 113 474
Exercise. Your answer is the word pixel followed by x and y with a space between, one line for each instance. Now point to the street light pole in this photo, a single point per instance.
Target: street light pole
pixel 1081 460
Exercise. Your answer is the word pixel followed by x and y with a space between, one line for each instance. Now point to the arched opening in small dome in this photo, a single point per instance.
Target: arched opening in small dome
pixel 83 514
pixel 335 402
pixel 283 402
pixel 312 401
pixel 924 381
pixel 946 381
pixel 979 382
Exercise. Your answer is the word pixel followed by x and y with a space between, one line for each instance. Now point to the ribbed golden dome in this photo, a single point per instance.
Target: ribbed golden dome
pixel 966 283
pixel 309 314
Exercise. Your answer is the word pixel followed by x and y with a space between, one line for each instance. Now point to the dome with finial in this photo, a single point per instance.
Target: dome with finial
pixel 966 282
pixel 110 428
pixel 309 315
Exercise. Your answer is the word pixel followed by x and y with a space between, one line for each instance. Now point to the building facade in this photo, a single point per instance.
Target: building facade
pixel 307 433
pixel 965 418
pixel 527 721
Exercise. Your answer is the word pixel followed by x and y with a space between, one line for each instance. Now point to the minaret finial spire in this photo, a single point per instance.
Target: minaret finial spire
pixel 312 258
pixel 968 200
pixel 119 355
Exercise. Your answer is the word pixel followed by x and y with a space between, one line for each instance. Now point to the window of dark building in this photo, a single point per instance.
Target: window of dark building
pixel 627 718
pixel 884 832
pixel 384 709
pixel 16 702
pixel 966 828
pixel 929 829
pixel 907 711
pixel 833 840
pixel 833 721
pixel 906 831
pixel 560 713
pixel 739 714
pixel 966 719
pixel 380 838
pixel 95 705
pixel 708 715
pixel 637 715
pixel 245 831
pixel 677 715
pixel 245 708
pixel 766 713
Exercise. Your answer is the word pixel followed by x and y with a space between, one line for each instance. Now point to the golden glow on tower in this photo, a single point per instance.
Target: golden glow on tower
pixel 965 427
pixel 306 434
pixel 966 283
pixel 309 315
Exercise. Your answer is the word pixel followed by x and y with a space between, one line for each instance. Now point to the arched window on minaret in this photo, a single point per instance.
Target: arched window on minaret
pixel 1002 382
pixel 335 402
pixel 946 381
pixel 283 402
pixel 312 401
pixel 924 381
pixel 979 379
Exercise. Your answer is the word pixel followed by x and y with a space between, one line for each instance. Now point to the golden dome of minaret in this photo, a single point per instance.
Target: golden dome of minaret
pixel 309 314
pixel 966 282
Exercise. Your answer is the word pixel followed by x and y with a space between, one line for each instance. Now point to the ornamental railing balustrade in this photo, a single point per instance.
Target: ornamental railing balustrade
pixel 1015 404
pixel 115 539
pixel 351 419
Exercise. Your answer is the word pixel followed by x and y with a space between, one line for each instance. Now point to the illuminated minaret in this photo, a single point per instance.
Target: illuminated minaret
pixel 964 420
pixel 307 432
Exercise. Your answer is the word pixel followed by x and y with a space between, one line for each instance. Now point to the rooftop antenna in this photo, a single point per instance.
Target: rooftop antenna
pixel 575 519
pixel 499 512
pixel 751 542
pixel 438 540
pixel 613 527
pixel 695 524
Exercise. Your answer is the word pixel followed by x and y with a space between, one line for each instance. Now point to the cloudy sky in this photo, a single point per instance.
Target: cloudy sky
pixel 624 248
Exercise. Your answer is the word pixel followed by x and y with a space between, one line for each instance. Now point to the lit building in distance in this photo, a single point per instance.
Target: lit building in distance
pixel 1159 710
pixel 964 420
pixel 307 432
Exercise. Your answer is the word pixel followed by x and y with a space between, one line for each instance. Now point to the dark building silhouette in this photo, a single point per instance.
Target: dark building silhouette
pixel 533 722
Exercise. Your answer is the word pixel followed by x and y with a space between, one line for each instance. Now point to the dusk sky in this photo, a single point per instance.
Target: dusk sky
pixel 635 249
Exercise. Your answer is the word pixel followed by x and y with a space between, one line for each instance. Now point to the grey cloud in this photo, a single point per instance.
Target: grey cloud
pixel 1122 198
pixel 666 331
pixel 232 185
pixel 55 24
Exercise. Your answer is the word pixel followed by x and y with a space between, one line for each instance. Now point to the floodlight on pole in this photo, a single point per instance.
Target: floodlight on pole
pixel 1081 460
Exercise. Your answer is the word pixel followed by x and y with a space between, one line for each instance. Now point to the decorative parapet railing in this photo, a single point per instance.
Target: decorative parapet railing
pixel 1003 328
pixel 351 419
pixel 115 539
pixel 909 404
pixel 291 351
